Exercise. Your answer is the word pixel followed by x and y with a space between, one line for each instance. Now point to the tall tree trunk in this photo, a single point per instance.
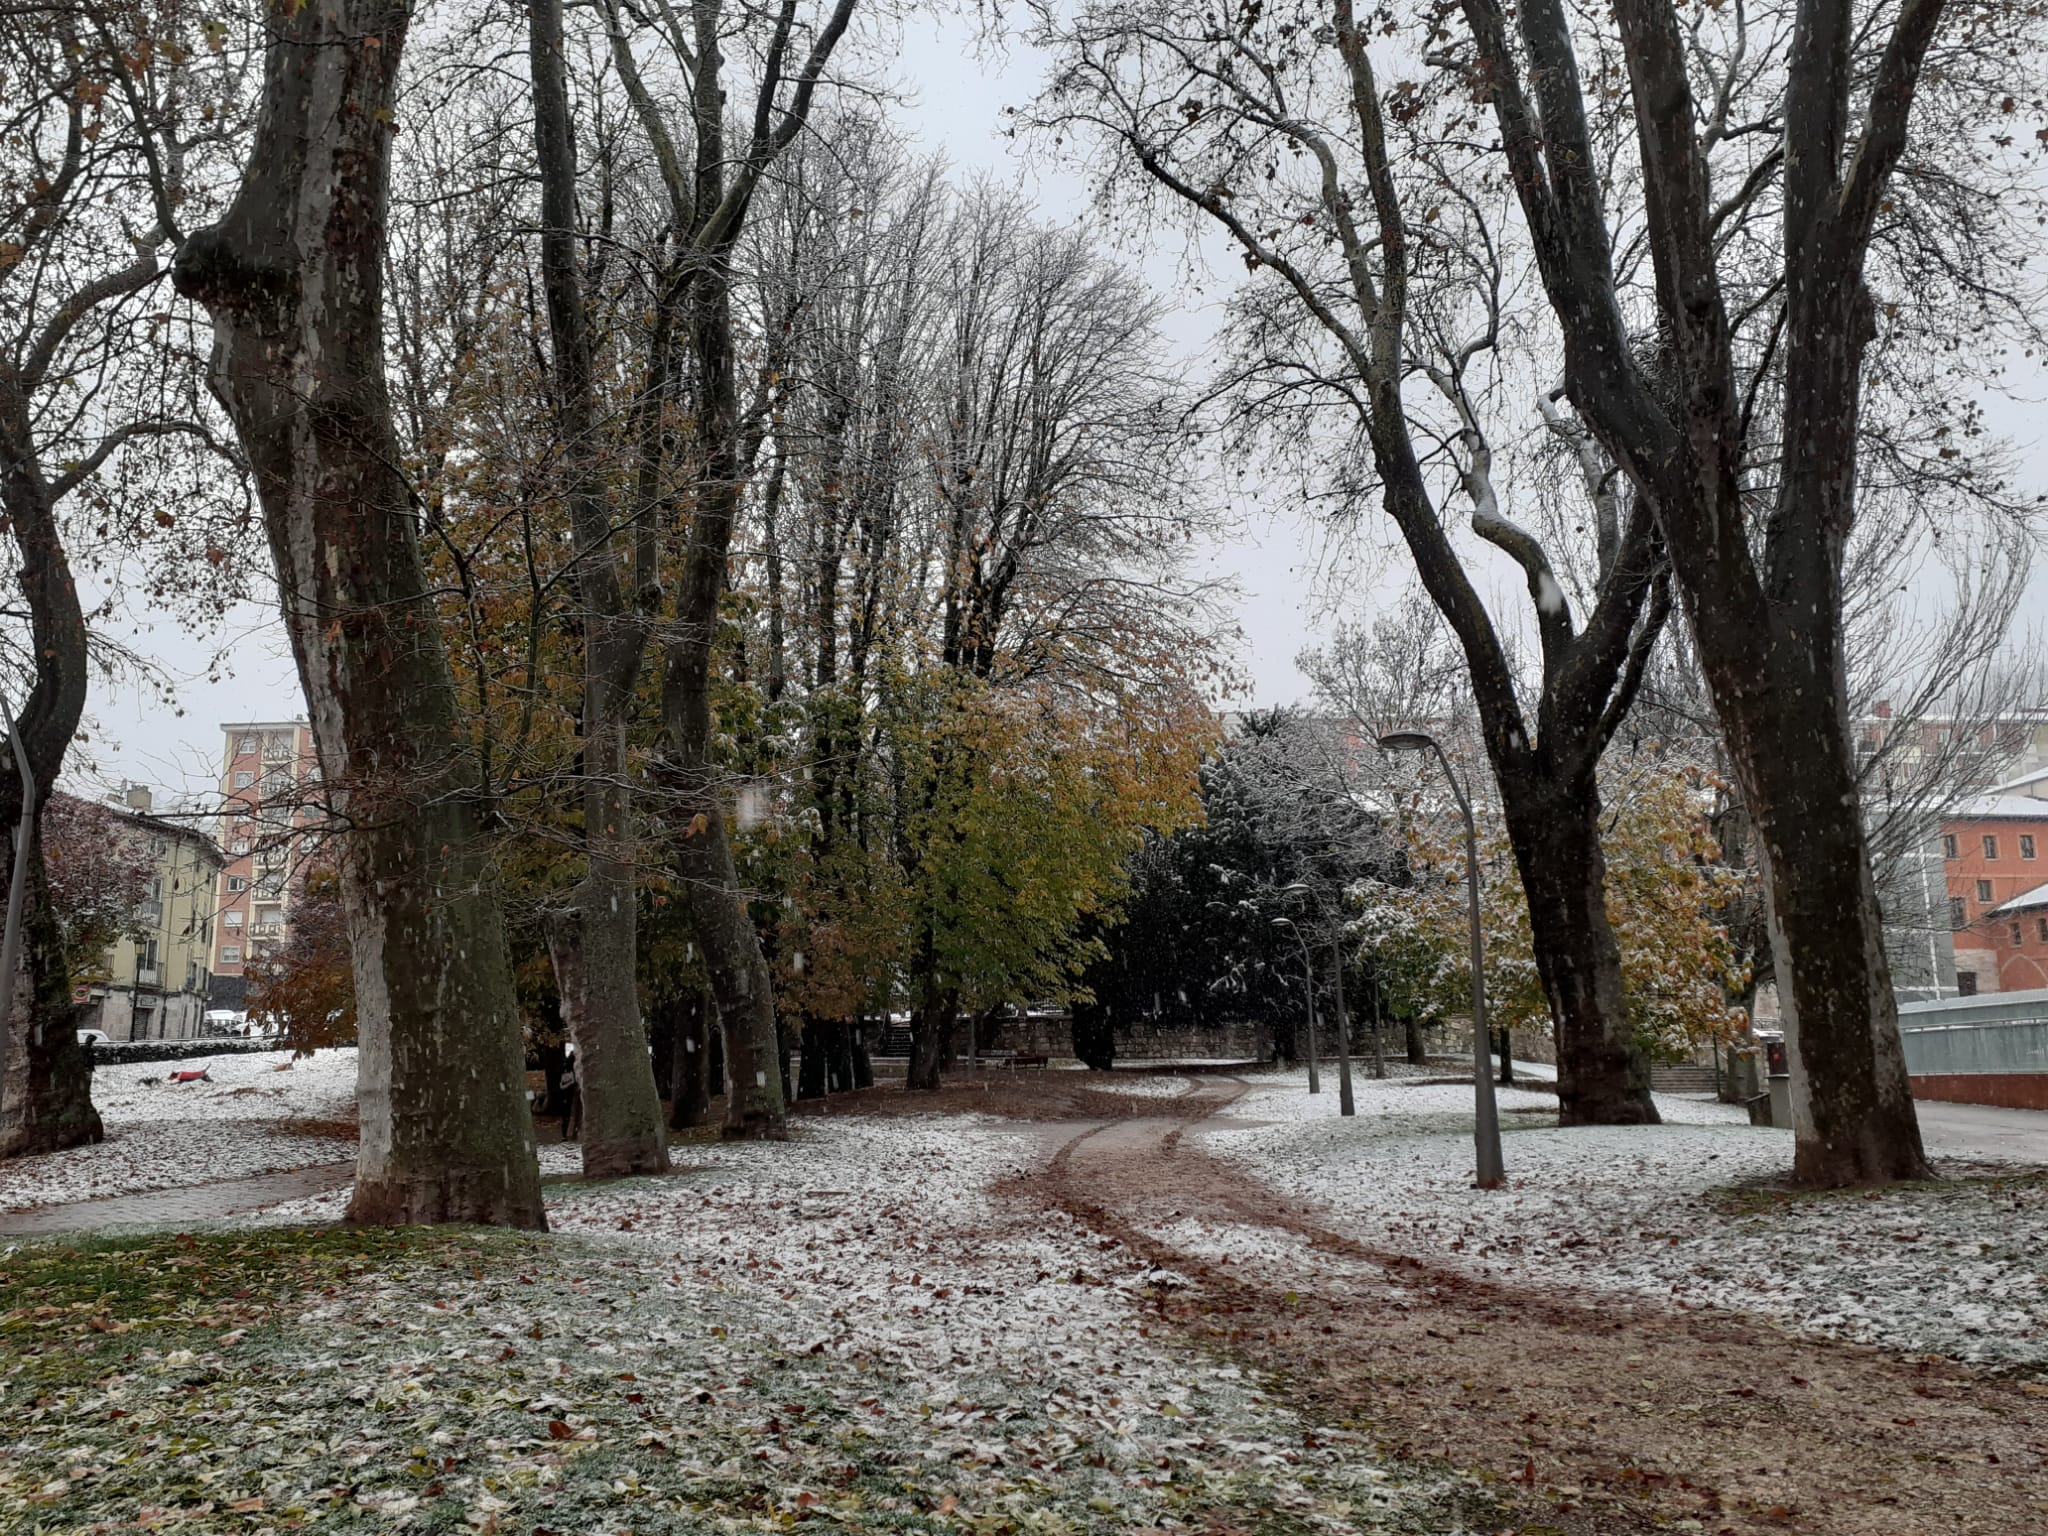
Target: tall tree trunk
pixel 931 1036
pixel 710 881
pixel 46 1097
pixel 1418 1051
pixel 46 1101
pixel 1347 1104
pixel 594 939
pixel 292 276
pixel 690 1067
pixel 1603 1074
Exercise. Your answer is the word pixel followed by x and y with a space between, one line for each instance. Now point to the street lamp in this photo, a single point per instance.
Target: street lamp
pixel 1486 1126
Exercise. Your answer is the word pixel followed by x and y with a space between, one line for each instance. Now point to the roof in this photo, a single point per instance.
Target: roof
pixel 2037 897
pixel 2000 808
pixel 2020 782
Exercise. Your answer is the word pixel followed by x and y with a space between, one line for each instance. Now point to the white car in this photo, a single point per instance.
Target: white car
pixel 92 1037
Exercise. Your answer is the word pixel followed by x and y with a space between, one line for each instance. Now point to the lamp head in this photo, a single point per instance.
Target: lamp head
pixel 1406 741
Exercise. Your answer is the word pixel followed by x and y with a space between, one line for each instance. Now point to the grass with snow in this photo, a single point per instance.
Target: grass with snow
pixel 1680 1212
pixel 856 1325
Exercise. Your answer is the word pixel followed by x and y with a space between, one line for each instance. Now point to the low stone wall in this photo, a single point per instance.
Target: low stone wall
pixel 2001 1090
pixel 122 1053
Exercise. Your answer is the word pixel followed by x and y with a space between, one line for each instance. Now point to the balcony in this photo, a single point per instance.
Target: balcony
pixel 147 976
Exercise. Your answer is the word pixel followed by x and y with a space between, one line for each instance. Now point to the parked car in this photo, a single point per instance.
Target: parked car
pixel 92 1037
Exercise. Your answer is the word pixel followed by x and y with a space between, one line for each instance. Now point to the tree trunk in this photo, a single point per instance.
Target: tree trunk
pixel 1418 1052
pixel 292 276
pixel 1603 1075
pixel 595 941
pixel 594 965
pixel 1852 1103
pixel 812 1078
pixel 863 1065
pixel 1347 1104
pixel 1507 1057
pixel 1379 1032
pixel 691 1065
pixel 46 1101
pixel 931 1038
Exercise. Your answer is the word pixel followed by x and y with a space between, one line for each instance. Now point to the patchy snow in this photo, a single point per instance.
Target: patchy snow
pixel 165 1135
pixel 859 1324
pixel 1676 1212
pixel 1135 1085
pixel 262 1086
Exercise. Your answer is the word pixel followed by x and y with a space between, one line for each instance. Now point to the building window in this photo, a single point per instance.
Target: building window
pixel 1958 916
pixel 2018 936
pixel 1990 846
pixel 239 846
pixel 231 919
pixel 1983 890
pixel 1948 845
pixel 244 778
pixel 238 883
pixel 2042 922
pixel 2026 845
pixel 246 745
pixel 231 954
pixel 1966 983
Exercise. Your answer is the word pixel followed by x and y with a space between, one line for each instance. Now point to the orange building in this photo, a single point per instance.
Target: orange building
pixel 268 786
pixel 1995 855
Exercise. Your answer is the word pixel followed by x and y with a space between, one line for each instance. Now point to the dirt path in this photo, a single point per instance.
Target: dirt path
pixel 1599 1416
pixel 191 1205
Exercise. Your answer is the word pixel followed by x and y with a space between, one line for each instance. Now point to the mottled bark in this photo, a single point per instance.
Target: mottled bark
pixel 1603 1074
pixel 1763 591
pixel 594 939
pixel 292 276
pixel 46 1100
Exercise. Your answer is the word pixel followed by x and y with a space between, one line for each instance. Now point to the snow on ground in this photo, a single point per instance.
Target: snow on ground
pixel 165 1135
pixel 1141 1085
pixel 1959 1268
pixel 861 1323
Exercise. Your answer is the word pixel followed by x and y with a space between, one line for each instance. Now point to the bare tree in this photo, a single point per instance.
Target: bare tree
pixel 1766 145
pixel 593 936
pixel 292 276
pixel 1272 125
pixel 111 113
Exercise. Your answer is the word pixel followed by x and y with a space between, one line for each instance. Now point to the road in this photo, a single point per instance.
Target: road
pixel 1963 1129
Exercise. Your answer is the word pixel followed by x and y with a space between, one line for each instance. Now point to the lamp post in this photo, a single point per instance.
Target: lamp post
pixel 1486 1113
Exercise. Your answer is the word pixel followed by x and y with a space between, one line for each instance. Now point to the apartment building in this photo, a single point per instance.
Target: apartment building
pixel 155 981
pixel 268 787
pixel 1995 854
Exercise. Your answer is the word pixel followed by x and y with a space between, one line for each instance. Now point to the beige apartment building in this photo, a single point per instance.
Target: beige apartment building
pixel 154 983
pixel 268 786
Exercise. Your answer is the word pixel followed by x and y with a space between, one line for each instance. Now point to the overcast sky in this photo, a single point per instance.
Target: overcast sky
pixel 1277 558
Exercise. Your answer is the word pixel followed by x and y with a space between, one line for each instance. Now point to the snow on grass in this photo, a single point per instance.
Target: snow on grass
pixel 263 1085
pixel 864 1324
pixel 1678 1212
pixel 165 1135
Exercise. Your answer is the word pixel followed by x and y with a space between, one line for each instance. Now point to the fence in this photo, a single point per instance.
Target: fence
pixel 1979 1050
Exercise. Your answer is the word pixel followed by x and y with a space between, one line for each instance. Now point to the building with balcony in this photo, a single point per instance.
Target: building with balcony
pixel 155 980
pixel 270 802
